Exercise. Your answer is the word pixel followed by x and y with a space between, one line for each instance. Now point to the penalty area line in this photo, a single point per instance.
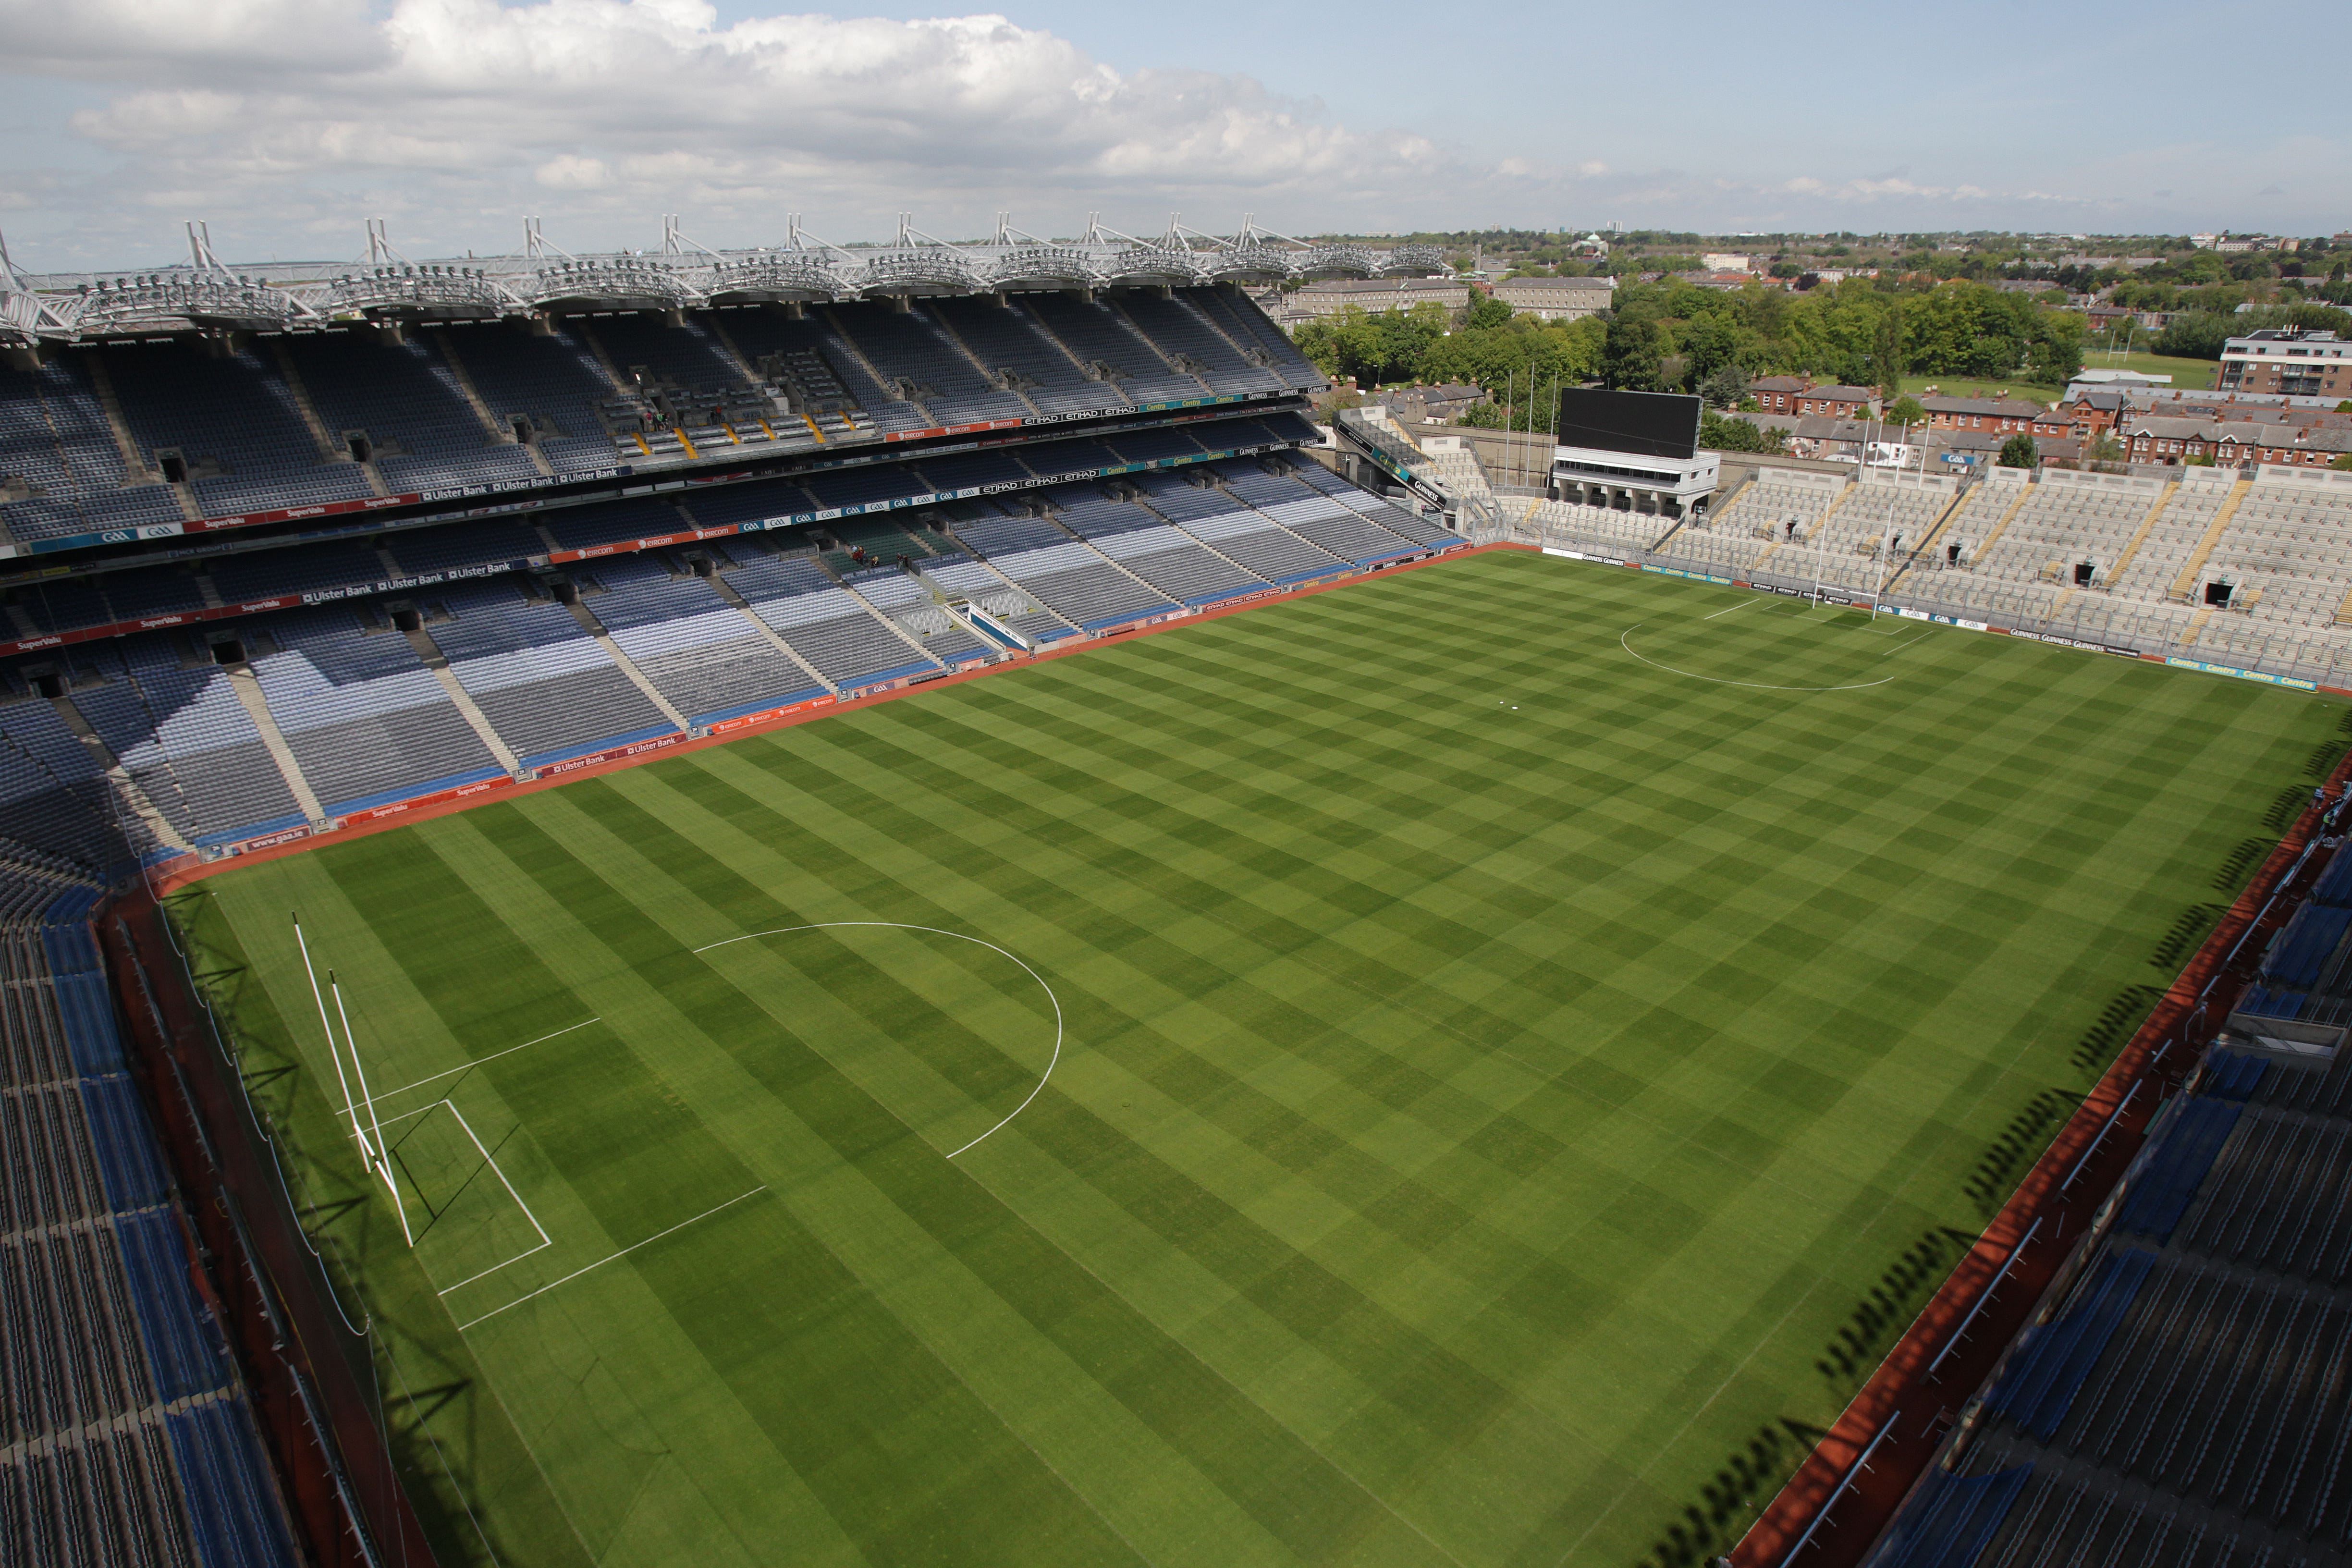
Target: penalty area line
pixel 478 1061
pixel 600 1263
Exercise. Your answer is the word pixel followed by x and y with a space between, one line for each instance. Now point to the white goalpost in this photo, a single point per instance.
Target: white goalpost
pixel 373 1152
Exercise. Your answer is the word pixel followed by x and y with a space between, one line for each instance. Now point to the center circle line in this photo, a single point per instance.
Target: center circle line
pixel 902 925
pixel 1719 680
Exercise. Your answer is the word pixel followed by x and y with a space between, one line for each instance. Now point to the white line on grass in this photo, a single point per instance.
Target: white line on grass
pixel 1758 685
pixel 545 1240
pixel 600 1263
pixel 478 1061
pixel 1751 599
pixel 902 925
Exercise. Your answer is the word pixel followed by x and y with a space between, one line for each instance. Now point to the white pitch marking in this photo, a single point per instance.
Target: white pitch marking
pixel 494 1055
pixel 1899 648
pixel 1758 685
pixel 902 925
pixel 1751 599
pixel 545 1240
pixel 600 1263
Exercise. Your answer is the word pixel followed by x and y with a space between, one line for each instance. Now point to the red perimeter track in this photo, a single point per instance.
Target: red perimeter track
pixel 1910 1403
pixel 1899 1418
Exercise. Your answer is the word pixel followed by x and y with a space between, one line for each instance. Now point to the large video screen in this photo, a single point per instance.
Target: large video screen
pixel 1639 424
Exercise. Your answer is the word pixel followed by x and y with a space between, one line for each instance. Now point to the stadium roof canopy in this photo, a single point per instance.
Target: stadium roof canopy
pixel 203 294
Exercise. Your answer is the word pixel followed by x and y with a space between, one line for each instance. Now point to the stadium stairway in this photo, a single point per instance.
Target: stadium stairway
pixel 247 687
pixel 628 666
pixel 133 793
pixel 459 698
pixel 728 591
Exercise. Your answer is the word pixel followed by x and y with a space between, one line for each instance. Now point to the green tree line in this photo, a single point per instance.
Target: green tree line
pixel 1670 336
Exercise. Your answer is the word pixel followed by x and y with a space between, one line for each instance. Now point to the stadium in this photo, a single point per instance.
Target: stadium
pixel 865 904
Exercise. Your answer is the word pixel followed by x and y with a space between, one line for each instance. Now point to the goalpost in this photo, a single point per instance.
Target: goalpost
pixel 373 1152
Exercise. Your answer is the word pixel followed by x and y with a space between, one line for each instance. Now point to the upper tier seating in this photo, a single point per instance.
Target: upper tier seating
pixel 347 415
pixel 1246 324
pixel 797 350
pixel 1102 340
pixel 1180 326
pixel 395 397
pixel 1003 340
pixel 551 382
pixel 55 444
pixel 233 412
pixel 910 348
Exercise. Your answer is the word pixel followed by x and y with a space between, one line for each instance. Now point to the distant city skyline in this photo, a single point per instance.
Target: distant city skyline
pixel 285 123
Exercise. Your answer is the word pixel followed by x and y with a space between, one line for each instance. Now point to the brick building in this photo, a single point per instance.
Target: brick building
pixel 1836 402
pixel 2288 361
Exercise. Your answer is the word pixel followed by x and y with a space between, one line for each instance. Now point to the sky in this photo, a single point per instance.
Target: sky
pixel 284 124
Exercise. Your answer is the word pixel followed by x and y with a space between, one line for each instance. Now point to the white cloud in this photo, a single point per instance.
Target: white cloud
pixel 283 122
pixel 634 107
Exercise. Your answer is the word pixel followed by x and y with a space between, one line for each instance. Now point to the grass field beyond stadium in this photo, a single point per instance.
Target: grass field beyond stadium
pixel 1504 1039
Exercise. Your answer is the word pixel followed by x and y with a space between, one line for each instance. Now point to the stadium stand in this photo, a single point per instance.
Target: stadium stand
pixel 287 676
pixel 126 1434
pixel 2189 1399
pixel 262 583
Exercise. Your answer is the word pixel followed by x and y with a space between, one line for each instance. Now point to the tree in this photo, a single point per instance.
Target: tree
pixel 2199 336
pixel 1906 410
pixel 1632 353
pixel 2105 449
pixel 1723 434
pixel 1725 386
pixel 1886 351
pixel 2019 452
pixel 1487 311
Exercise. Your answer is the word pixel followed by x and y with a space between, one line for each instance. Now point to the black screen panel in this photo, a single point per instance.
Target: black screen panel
pixel 1639 424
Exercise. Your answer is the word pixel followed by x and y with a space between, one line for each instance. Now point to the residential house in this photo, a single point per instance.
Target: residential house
pixel 1837 402
pixel 1778 393
pixel 2093 411
pixel 1996 416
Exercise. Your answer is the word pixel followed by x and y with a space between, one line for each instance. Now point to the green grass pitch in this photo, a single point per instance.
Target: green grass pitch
pixel 1510 1016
